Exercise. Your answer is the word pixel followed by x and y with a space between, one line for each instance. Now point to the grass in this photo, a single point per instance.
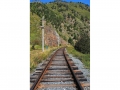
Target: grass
pixel 85 58
pixel 37 56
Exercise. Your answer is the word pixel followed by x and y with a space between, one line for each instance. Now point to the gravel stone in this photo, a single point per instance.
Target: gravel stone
pixel 59 88
pixel 81 67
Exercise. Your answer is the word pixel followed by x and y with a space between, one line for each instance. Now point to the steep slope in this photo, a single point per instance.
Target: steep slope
pixel 75 17
pixel 50 35
pixel 70 20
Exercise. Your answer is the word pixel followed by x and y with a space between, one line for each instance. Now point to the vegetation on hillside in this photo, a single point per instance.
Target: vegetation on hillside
pixel 35 31
pixel 69 19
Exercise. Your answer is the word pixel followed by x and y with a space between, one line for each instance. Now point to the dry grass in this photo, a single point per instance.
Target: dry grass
pixel 36 56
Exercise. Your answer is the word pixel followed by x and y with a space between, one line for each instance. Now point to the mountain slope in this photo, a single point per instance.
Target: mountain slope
pixel 70 20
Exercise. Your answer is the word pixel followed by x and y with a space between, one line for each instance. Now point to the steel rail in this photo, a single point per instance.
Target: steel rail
pixel 72 72
pixel 78 85
pixel 34 86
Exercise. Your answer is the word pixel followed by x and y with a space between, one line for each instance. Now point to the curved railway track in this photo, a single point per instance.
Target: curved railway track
pixel 58 73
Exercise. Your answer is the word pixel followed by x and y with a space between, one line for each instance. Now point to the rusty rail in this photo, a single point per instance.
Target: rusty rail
pixel 41 75
pixel 75 79
pixel 74 76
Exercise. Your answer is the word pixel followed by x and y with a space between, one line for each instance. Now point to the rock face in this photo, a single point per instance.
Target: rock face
pixel 51 37
pixel 63 42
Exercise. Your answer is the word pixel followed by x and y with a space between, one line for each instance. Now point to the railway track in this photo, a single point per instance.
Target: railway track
pixel 58 72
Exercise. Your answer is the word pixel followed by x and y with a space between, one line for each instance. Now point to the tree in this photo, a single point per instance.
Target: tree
pixel 60 29
pixel 82 18
pixel 75 24
pixel 83 44
pixel 70 41
pixel 68 15
pixel 75 37
pixel 65 38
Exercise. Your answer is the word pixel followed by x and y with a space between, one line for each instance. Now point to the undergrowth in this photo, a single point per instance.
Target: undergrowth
pixel 85 58
pixel 37 56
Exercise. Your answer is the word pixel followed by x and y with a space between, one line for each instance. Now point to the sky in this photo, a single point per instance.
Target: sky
pixel 83 1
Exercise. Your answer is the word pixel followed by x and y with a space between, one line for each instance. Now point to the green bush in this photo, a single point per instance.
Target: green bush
pixel 37 47
pixel 70 40
pixel 83 44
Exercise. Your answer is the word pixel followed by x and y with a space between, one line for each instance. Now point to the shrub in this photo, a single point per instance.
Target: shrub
pixel 83 44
